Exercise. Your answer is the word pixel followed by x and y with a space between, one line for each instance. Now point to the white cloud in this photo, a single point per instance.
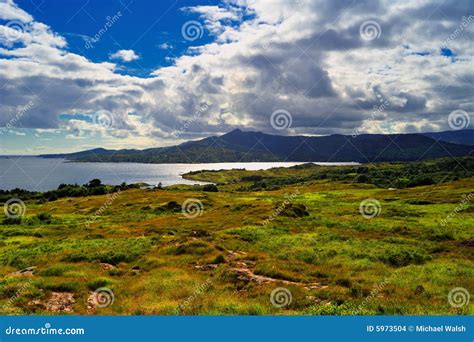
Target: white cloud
pixel 306 58
pixel 10 11
pixel 125 55
pixel 165 46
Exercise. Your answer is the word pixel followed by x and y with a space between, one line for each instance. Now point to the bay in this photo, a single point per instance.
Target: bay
pixel 43 174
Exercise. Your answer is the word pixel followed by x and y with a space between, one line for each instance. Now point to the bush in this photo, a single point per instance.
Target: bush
pixel 403 258
pixel 210 188
pixel 421 180
pixel 219 259
pixel 44 217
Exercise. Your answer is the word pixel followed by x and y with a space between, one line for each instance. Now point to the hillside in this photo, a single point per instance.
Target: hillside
pixel 185 250
pixel 239 146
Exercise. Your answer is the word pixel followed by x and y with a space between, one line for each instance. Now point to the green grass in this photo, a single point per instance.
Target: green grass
pixel 157 261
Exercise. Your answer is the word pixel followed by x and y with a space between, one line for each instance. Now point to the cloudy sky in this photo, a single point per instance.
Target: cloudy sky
pixel 79 74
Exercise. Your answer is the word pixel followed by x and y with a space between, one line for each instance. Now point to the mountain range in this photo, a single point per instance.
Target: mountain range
pixel 239 146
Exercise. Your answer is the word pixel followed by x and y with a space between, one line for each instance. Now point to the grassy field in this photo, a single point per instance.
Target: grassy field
pixel 281 241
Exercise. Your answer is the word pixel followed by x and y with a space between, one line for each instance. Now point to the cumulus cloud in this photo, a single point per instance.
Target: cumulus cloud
pixel 125 55
pixel 306 57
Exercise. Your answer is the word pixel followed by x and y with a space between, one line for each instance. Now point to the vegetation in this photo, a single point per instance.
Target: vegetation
pixel 298 228
pixel 384 175
pixel 93 188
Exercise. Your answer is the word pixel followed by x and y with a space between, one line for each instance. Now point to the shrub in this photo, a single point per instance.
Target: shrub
pixel 401 258
pixel 219 259
pixel 95 284
pixel 210 188
pixel 44 217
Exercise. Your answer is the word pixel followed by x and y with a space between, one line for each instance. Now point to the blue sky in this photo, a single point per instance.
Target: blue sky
pixel 151 28
pixel 81 74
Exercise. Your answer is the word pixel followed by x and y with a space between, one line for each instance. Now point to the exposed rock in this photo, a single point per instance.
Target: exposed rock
pixel 58 302
pixel 247 275
pixel 295 210
pixel 26 272
pixel 106 267
pixel 419 290
pixel 207 267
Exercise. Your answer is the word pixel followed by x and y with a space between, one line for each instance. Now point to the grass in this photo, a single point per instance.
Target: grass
pixel 158 261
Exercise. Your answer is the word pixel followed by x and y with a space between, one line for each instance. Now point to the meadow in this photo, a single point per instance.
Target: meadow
pixel 310 240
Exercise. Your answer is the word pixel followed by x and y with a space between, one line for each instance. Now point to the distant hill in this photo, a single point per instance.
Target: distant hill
pixel 239 146
pixel 462 137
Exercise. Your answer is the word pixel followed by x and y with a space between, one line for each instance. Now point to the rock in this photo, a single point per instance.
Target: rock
pixel 26 272
pixel 207 267
pixel 105 266
pixel 295 210
pixel 419 290
pixel 58 302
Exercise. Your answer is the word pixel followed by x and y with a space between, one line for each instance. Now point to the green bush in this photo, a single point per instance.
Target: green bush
pixel 44 217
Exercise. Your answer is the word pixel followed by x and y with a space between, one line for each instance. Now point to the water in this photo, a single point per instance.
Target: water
pixel 41 174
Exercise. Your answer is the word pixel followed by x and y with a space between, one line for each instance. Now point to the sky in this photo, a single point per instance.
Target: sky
pixel 82 74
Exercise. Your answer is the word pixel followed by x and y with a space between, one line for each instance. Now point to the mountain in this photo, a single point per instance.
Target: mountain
pixel 239 146
pixel 462 137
